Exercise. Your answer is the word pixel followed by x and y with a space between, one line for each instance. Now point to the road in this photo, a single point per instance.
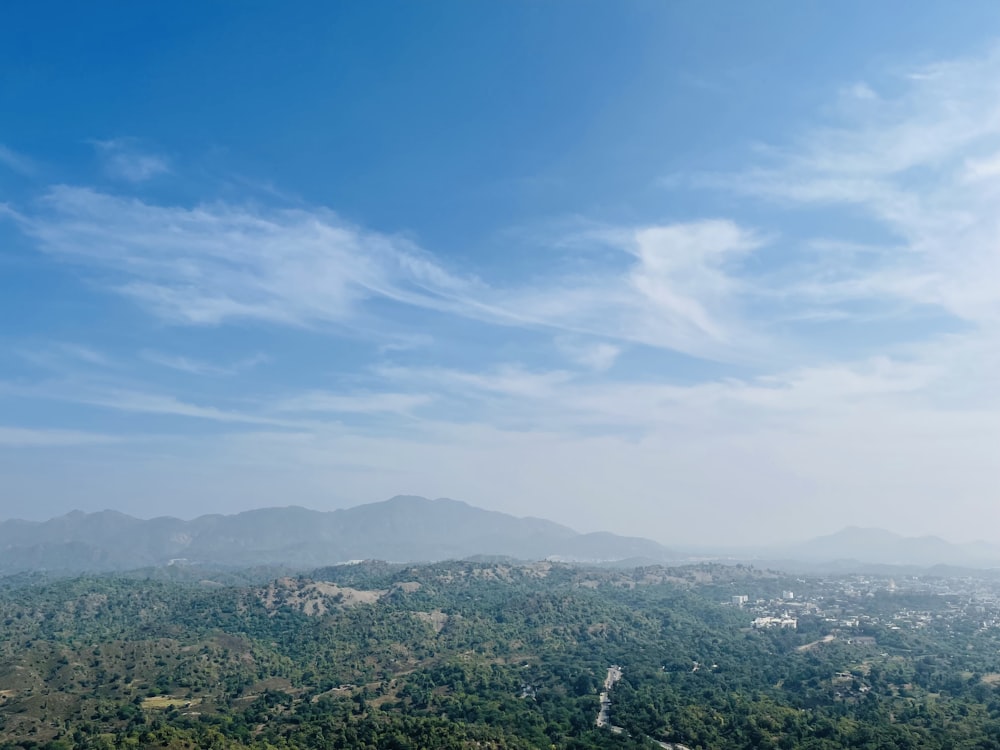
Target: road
pixel 814 644
pixel 603 715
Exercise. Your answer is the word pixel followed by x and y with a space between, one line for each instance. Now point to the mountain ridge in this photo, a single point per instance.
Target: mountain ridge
pixel 409 528
pixel 404 528
pixel 855 547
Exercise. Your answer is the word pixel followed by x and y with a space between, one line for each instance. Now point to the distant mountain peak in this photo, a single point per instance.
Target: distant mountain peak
pixel 877 545
pixel 418 501
pixel 404 528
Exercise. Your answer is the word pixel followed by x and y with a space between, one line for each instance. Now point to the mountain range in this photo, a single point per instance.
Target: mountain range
pixel 402 529
pixel 878 546
pixel 859 550
pixel 416 529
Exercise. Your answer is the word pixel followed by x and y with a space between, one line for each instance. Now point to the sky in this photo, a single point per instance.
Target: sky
pixel 718 273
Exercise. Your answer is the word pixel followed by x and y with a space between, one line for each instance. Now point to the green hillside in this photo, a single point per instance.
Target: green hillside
pixel 475 655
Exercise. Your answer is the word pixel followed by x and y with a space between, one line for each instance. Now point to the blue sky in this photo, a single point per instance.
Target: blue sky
pixel 701 273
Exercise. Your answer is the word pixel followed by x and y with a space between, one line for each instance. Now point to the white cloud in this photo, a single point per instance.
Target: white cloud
pixel 124 159
pixel 862 91
pixel 64 356
pixel 982 168
pixel 125 399
pixel 803 441
pixel 682 275
pixel 167 405
pixel 210 264
pixel 598 356
pixel 674 286
pixel 314 402
pixel 922 164
pixel 198 367
pixel 508 380
pixel 17 162
pixel 699 471
pixel 86 353
pixel 560 402
pixel 22 437
pixel 878 439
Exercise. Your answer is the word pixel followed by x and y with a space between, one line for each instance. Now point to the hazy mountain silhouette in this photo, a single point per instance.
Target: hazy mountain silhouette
pixel 878 546
pixel 400 529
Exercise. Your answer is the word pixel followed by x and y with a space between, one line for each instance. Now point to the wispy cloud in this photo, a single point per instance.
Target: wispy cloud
pixel 215 263
pixel 906 176
pixel 836 436
pixel 123 398
pixel 17 162
pixel 194 366
pixel 673 286
pixel 168 405
pixel 22 437
pixel 683 276
pixel 560 401
pixel 594 355
pixel 125 159
pixel 922 163
pixel 314 402
pixel 507 380
pixel 61 356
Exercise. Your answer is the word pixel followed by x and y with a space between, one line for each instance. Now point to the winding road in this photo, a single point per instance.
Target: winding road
pixel 604 714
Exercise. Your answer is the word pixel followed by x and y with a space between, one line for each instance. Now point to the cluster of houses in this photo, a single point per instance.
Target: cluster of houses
pixel 783 621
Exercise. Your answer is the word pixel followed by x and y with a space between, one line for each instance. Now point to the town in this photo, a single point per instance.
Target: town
pixel 866 610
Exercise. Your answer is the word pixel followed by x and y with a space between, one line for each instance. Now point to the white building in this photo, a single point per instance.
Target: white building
pixel 776 622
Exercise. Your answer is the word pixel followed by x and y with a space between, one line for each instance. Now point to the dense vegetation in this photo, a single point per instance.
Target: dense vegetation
pixel 463 655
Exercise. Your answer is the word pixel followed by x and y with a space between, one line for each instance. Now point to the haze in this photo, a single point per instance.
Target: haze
pixel 686 272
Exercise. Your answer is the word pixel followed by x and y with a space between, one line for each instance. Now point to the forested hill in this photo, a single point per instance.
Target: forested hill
pixel 401 529
pixel 492 656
